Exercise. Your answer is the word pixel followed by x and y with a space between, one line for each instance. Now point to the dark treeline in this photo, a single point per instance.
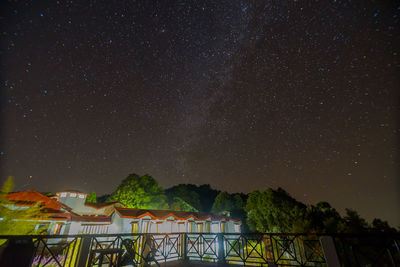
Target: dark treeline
pixel 268 211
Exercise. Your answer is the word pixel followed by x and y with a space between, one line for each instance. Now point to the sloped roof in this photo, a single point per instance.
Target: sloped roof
pixel 102 205
pixel 163 214
pixel 31 197
pixel 91 218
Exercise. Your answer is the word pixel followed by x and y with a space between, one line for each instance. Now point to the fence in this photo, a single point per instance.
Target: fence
pixel 243 249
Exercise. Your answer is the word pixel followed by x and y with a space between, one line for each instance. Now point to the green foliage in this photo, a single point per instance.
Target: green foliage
pixel 140 192
pixel 21 221
pixel 276 211
pixel 181 197
pixel 200 197
pixel 179 204
pixel 228 204
pixel 8 186
pixel 273 211
pixel 321 218
pixel 91 198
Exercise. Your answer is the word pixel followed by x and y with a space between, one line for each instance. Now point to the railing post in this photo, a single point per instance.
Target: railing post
pixel 84 251
pixel 328 246
pixel 184 241
pixel 221 248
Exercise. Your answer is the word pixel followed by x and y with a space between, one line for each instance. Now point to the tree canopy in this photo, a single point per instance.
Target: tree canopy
pixel 199 197
pixel 181 197
pixel 17 221
pixel 140 192
pixel 228 204
pixel 91 198
pixel 272 211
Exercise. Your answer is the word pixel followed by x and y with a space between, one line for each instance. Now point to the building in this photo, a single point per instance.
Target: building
pixel 68 213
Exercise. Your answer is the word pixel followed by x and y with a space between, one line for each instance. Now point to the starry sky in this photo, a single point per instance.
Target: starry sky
pixel 243 95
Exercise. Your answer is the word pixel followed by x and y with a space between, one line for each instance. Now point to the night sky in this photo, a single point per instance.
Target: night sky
pixel 242 95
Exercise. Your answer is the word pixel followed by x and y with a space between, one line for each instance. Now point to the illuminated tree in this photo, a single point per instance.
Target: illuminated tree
pixel 273 211
pixel 140 192
pixel 17 221
pixel 91 198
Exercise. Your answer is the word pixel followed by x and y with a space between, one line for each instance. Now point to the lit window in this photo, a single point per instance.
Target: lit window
pixel 57 229
pixel 135 227
pixel 72 195
pixel 145 226
pixel 208 227
pixel 63 194
pixel 81 196
pixel 200 227
pixel 222 227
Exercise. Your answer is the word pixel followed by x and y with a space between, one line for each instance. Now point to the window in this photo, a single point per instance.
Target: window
pixel 200 227
pixel 215 227
pixel 160 227
pixel 208 227
pixel 63 194
pixel 95 228
pixel 81 196
pixel 135 227
pixel 223 227
pixel 237 228
pixel 181 227
pixel 145 226
pixel 192 227
pixel 57 228
pixel 72 195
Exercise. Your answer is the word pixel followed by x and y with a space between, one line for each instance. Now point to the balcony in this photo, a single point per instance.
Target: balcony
pixel 201 249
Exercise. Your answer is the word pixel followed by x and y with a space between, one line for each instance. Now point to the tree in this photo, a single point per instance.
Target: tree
pixel 228 204
pixel 321 218
pixel 103 198
pixel 353 223
pixel 91 198
pixel 223 203
pixel 140 192
pixel 17 221
pixel 380 226
pixel 181 197
pixel 179 204
pixel 273 211
pixel 200 197
pixel 207 196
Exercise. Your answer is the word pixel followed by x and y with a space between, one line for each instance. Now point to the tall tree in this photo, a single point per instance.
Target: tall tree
pixel 273 211
pixel 182 197
pixel 353 223
pixel 223 203
pixel 206 195
pixel 140 192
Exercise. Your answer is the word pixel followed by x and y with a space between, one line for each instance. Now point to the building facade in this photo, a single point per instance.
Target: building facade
pixel 68 213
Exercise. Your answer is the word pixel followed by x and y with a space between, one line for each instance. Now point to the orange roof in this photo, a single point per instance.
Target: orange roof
pixel 91 218
pixel 163 214
pixel 101 205
pixel 29 198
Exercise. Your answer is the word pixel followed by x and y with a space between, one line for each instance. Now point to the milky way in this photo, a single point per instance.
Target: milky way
pixel 242 95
